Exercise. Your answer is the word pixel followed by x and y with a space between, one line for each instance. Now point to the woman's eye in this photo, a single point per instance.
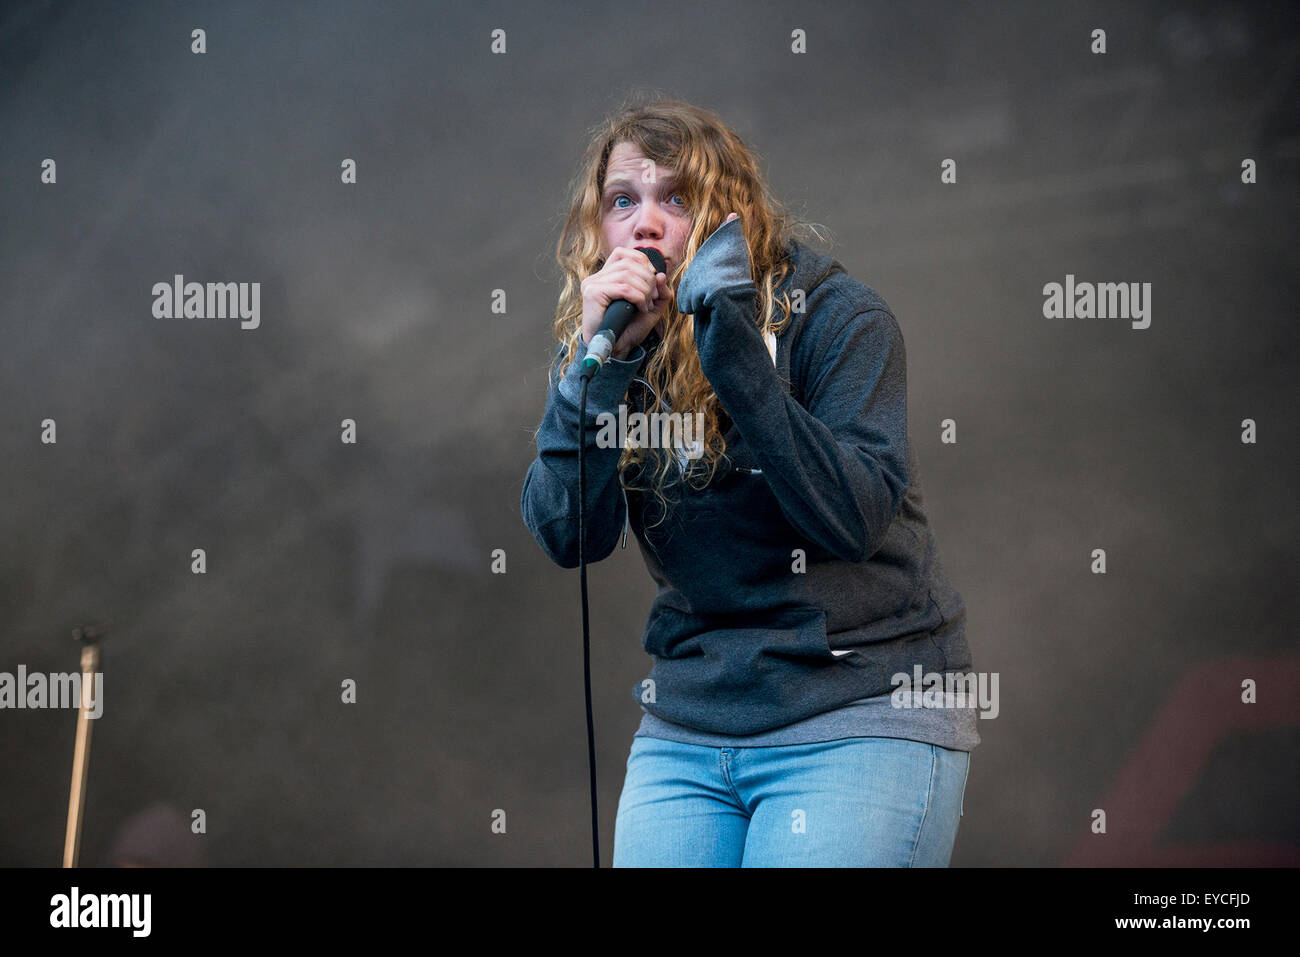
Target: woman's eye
pixel 676 196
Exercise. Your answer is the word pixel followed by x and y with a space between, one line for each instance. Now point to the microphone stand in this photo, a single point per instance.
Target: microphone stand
pixel 89 636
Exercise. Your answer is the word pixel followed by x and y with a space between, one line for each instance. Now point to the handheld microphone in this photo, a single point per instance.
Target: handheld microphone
pixel 618 316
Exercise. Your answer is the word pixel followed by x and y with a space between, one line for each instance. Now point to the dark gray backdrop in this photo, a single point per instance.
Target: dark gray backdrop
pixel 373 562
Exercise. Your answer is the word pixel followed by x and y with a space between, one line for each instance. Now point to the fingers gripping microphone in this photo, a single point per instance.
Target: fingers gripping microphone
pixel 618 316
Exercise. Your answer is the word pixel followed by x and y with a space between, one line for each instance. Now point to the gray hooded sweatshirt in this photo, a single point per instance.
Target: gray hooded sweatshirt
pixel 803 579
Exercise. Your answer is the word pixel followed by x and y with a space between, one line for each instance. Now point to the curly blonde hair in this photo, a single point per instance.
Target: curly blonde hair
pixel 718 174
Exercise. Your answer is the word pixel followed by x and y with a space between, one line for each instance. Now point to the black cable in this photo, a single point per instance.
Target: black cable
pixel 586 635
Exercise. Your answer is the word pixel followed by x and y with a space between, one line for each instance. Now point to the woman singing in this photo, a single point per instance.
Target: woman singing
pixel 801 597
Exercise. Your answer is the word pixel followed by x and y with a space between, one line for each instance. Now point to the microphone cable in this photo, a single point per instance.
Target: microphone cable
pixel 613 323
pixel 586 633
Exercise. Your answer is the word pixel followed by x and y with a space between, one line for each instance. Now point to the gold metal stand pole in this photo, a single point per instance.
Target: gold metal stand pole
pixel 81 755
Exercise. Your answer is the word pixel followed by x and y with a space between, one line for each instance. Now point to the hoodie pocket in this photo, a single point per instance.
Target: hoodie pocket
pixel 797 632
pixel 671 634
pixel 741 641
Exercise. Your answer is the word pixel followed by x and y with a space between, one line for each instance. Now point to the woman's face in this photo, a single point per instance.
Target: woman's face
pixel 642 207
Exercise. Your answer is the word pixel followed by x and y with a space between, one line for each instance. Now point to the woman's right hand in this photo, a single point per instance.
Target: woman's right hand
pixel 627 274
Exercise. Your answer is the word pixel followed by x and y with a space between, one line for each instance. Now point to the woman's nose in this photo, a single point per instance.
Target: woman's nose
pixel 650 223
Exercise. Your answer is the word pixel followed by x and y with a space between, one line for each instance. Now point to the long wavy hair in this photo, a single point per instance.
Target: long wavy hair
pixel 718 174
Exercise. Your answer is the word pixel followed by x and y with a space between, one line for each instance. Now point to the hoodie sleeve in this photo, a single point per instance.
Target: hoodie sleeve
pixel 837 464
pixel 550 496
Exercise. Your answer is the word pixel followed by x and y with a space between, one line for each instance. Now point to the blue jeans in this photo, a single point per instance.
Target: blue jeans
pixel 856 802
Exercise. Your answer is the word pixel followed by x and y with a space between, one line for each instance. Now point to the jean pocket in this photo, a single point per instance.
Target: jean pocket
pixel 963 786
